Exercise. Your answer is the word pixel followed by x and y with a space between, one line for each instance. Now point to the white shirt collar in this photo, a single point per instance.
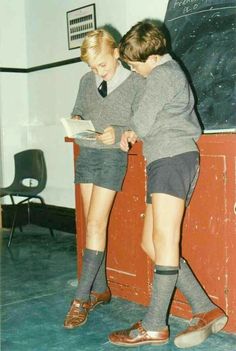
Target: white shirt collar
pixel 120 75
pixel 163 59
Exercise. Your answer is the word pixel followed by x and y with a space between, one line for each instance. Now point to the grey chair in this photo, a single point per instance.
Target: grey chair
pixel 29 181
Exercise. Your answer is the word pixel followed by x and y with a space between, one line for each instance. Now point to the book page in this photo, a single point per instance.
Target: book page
pixel 75 127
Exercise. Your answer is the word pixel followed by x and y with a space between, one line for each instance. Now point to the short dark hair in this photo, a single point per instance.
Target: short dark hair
pixel 141 41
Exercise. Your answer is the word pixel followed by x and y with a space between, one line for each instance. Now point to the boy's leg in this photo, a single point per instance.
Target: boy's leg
pixel 99 210
pixel 167 218
pixel 100 292
pixel 188 284
pixel 91 262
pixel 167 213
pixel 96 214
pixel 100 281
pixel 207 317
pixel 101 201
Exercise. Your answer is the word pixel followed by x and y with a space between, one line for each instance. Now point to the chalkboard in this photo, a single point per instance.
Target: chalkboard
pixel 203 39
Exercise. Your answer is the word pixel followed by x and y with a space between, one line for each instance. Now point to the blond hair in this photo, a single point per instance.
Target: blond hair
pixel 96 41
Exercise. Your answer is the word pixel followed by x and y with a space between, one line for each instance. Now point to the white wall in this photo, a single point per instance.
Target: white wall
pixel 140 10
pixel 14 120
pixel 13 88
pixel 13 43
pixel 32 104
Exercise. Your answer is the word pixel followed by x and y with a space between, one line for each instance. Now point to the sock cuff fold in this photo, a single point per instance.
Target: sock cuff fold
pixel 166 270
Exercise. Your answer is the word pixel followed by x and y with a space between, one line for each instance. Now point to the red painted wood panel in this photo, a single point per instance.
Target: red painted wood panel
pixel 209 236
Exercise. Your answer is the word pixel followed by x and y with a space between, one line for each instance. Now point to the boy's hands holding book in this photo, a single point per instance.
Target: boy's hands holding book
pixel 107 137
pixel 78 128
pixel 84 129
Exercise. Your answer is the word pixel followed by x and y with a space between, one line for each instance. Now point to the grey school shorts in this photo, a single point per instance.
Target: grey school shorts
pixel 176 176
pixel 102 167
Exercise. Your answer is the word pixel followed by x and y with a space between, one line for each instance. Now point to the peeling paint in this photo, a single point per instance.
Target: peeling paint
pixel 122 272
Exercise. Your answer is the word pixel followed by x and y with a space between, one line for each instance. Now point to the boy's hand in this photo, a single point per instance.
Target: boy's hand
pixel 127 138
pixel 108 136
pixel 75 117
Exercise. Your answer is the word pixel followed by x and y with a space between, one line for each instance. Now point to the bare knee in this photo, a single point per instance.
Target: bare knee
pixel 166 235
pixel 95 227
pixel 96 236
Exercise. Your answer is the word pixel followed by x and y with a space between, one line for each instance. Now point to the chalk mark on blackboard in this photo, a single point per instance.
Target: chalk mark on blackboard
pixel 196 12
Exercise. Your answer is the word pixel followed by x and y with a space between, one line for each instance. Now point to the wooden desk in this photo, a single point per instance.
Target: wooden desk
pixel 209 237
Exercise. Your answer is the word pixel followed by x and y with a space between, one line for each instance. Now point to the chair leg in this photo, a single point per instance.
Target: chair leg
pixel 12 229
pixel 52 233
pixel 28 211
pixel 10 238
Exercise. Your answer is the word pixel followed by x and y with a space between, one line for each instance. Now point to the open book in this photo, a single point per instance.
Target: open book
pixel 79 128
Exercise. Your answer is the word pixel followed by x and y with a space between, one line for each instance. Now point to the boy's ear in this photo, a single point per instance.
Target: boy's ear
pixel 116 54
pixel 153 59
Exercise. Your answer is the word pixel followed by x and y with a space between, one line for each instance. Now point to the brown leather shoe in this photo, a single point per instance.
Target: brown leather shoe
pixel 98 298
pixel 77 315
pixel 123 337
pixel 201 326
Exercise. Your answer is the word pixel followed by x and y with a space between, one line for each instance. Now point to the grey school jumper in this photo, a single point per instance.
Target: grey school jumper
pixel 165 119
pixel 115 109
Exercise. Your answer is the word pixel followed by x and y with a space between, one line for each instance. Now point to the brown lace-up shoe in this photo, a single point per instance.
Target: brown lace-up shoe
pixel 99 298
pixel 201 326
pixel 77 315
pixel 123 337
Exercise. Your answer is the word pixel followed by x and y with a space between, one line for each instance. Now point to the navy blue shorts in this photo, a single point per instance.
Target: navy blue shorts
pixel 176 176
pixel 102 167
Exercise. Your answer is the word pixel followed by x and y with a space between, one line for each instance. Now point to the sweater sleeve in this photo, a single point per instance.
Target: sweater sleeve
pixel 157 94
pixel 137 89
pixel 78 107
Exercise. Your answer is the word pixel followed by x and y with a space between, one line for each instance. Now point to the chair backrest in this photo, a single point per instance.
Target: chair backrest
pixel 30 172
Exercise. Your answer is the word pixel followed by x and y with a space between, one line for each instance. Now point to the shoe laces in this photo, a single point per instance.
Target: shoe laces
pixel 79 307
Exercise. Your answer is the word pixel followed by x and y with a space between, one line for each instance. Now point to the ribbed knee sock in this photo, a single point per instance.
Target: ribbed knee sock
pixel 91 262
pixel 163 287
pixel 100 282
pixel 188 284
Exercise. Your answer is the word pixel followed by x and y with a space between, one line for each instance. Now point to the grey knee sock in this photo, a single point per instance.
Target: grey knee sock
pixel 163 287
pixel 100 282
pixel 188 284
pixel 91 262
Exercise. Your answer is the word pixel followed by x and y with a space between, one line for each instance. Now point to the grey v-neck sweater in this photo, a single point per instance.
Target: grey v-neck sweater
pixel 115 109
pixel 165 120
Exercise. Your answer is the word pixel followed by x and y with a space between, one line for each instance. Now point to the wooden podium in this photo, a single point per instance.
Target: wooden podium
pixel 208 240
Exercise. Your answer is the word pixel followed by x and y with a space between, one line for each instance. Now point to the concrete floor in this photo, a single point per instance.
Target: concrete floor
pixel 38 282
